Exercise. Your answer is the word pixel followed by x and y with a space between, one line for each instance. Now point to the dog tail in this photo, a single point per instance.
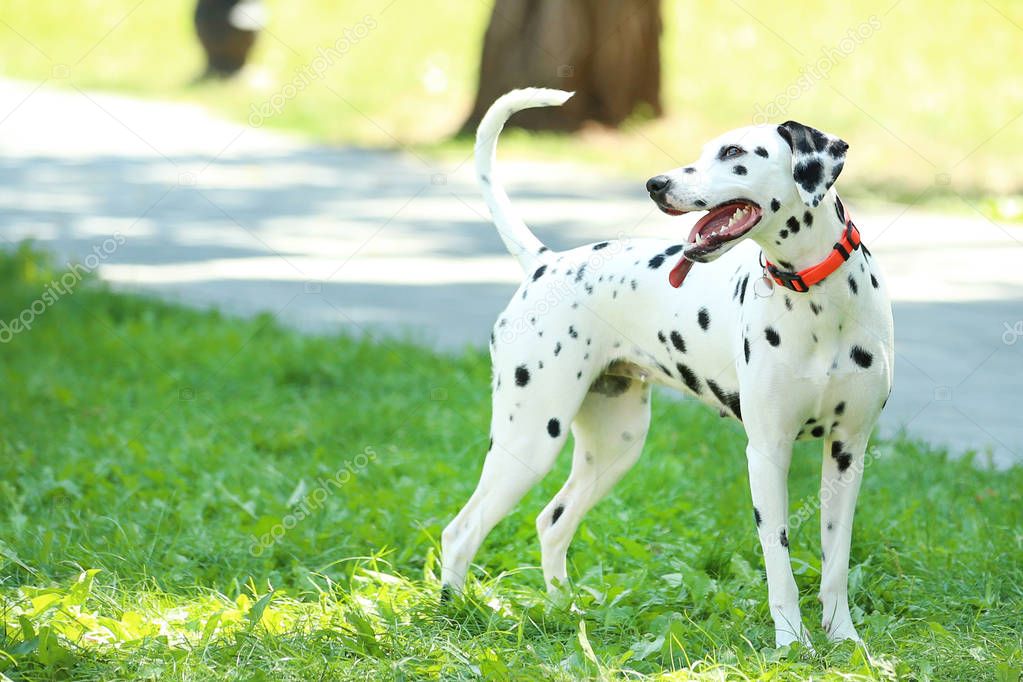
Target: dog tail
pixel 517 237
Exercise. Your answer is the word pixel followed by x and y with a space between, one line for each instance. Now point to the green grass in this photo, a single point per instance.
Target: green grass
pixel 146 449
pixel 930 100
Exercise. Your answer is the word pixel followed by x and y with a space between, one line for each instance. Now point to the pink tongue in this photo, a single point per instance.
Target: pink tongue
pixel 679 272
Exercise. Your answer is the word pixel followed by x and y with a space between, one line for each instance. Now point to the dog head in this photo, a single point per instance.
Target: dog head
pixel 744 175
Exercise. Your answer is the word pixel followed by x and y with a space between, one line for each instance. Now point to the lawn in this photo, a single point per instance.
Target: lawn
pixel 928 97
pixel 191 496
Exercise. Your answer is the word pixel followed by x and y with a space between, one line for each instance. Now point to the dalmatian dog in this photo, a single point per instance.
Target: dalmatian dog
pixel 770 311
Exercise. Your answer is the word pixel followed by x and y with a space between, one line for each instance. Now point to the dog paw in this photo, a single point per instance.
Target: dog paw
pixel 839 632
pixel 787 637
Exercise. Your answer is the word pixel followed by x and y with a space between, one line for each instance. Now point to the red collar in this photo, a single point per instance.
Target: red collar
pixel 804 279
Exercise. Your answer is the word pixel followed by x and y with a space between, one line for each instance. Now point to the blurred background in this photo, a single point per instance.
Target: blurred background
pixel 313 160
pixel 919 90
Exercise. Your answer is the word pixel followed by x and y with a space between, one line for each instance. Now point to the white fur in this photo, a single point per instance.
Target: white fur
pixel 517 238
pixel 591 329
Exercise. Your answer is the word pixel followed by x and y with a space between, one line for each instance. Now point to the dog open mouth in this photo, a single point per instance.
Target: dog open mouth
pixel 721 225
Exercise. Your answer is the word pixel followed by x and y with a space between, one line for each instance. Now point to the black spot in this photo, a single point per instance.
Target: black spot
pixel 815 308
pixel 598 247
pixel 484 178
pixel 775 205
pixel 661 337
pixel 664 369
pixel 539 272
pixel 656 262
pixel 573 333
pixel 840 408
pixel 490 445
pixel 557 348
pixel 873 281
pixel 521 375
pixel 445 594
pixel 742 294
pixel 772 336
pixel 493 339
pixel 729 399
pixel 852 285
pixel 760 151
pixel 678 342
pixel 739 170
pixel 861 357
pixel 793 224
pixel 788 302
pixel 831 526
pixel 817 431
pixel 688 169
pixel 808 218
pixel 820 140
pixel 582 271
pixel 700 202
pixel 808 174
pixel 745 349
pixel 703 318
pixel 554 428
pixel 672 250
pixel 558 511
pixel 784 537
pixel 542 249
pixel 837 148
pixel 579 374
pixel 784 234
pixel 843 459
pixel 633 283
pixel 689 378
pixel 756 516
pixel 785 264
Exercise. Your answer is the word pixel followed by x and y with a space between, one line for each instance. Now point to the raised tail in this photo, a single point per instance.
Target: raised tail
pixel 517 237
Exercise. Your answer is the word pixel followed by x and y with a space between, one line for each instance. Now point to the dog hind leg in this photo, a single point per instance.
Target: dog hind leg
pixel 522 452
pixel 609 432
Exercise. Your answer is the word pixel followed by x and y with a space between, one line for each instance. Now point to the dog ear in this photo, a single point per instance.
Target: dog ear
pixel 817 159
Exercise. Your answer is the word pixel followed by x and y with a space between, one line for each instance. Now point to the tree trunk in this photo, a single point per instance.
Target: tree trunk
pixel 607 51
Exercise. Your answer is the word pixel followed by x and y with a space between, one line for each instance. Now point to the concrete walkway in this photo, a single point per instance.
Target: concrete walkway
pixel 217 213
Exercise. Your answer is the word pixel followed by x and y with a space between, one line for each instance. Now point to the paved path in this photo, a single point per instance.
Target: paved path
pixel 215 213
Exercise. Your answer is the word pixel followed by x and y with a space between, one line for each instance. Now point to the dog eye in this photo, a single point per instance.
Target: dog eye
pixel 732 150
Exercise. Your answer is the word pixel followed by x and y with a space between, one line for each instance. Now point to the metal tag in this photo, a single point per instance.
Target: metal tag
pixel 763 287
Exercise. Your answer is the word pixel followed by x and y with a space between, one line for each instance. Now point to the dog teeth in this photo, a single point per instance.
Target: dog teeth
pixel 738 216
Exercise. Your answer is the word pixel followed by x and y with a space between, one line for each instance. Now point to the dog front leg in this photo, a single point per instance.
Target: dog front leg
pixel 841 475
pixel 768 475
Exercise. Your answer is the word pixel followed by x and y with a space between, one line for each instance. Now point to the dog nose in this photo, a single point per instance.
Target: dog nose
pixel 657 184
